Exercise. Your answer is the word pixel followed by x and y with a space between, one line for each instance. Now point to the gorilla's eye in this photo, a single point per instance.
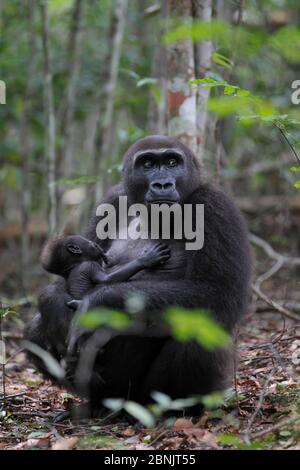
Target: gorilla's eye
pixel 148 163
pixel 172 162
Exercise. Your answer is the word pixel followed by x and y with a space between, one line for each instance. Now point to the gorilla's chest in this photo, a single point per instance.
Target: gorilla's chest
pixel 123 251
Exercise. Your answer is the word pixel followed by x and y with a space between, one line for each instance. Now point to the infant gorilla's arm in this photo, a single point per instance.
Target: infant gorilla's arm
pixel 158 254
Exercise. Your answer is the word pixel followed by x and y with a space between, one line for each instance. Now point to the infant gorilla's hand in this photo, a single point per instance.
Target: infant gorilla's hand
pixel 158 254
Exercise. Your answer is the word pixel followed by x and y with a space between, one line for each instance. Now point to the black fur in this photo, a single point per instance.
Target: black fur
pixel 215 278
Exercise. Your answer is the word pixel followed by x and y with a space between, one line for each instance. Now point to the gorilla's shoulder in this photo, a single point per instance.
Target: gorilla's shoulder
pixel 219 207
pixel 115 192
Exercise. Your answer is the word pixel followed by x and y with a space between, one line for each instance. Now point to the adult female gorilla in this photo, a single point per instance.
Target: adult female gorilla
pixel 161 169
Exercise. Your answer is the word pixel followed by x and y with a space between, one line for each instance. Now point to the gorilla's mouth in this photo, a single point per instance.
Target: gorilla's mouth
pixel 171 198
pixel 163 201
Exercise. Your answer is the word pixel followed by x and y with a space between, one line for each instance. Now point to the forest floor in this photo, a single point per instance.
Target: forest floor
pixel 263 413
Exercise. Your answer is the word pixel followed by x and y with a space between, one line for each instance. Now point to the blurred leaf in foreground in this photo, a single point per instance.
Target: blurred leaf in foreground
pixel 197 325
pixel 104 316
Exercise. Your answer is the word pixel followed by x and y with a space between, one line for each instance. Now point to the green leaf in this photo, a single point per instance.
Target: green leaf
pixel 52 365
pixel 146 81
pixel 156 94
pixel 114 404
pixel 230 89
pixel 197 325
pixel 104 316
pixel 220 59
pixel 162 399
pixel 285 433
pixel 213 400
pixel 242 92
pixel 287 42
pixel 35 434
pixel 295 168
pixel 140 413
pixel 4 312
pixel 208 82
pixel 297 184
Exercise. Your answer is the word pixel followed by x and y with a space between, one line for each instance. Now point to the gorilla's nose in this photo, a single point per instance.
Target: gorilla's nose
pixel 162 188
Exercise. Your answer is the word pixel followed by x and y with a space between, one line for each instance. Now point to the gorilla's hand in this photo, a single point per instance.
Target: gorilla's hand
pixel 158 254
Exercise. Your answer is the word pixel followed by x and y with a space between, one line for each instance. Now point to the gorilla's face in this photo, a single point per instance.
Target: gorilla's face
pixel 160 170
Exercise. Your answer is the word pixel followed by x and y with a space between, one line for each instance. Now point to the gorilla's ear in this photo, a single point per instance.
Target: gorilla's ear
pixel 74 249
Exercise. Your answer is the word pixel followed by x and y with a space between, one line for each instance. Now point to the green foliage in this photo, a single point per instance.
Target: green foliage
pixel 6 311
pixel 232 440
pixel 198 31
pixel 152 83
pixel 104 316
pixel 297 184
pixel 197 325
pixel 165 403
pixel 148 415
pixel 213 400
pixel 58 6
pixel 249 109
pixel 287 41
pixel 237 101
pixel 77 181
pixel 221 59
pixel 100 442
pixel 139 412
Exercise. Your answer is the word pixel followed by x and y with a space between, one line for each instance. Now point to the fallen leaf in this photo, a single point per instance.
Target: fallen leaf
pixel 128 432
pixel 182 423
pixel 67 443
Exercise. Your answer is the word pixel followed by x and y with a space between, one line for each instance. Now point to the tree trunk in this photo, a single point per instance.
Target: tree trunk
pixel 180 69
pixel 157 109
pixel 202 10
pixel 25 150
pixel 104 134
pixel 50 121
pixel 65 115
pixel 69 101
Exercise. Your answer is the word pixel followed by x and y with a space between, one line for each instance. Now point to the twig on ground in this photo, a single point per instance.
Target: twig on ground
pixel 282 424
pixel 274 304
pixel 247 434
pixel 9 397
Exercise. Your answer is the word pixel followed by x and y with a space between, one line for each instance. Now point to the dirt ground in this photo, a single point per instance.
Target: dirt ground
pixel 263 412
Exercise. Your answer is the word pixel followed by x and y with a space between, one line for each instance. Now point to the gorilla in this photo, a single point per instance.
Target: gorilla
pixel 216 278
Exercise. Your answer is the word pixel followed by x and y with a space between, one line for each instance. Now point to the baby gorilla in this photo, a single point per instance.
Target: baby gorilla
pixel 80 262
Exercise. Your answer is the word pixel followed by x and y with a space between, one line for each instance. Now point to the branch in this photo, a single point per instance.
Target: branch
pixel 281 130
pixel 274 304
pixel 285 260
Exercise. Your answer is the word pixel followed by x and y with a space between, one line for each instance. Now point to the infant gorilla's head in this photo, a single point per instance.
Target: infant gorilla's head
pixel 62 253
